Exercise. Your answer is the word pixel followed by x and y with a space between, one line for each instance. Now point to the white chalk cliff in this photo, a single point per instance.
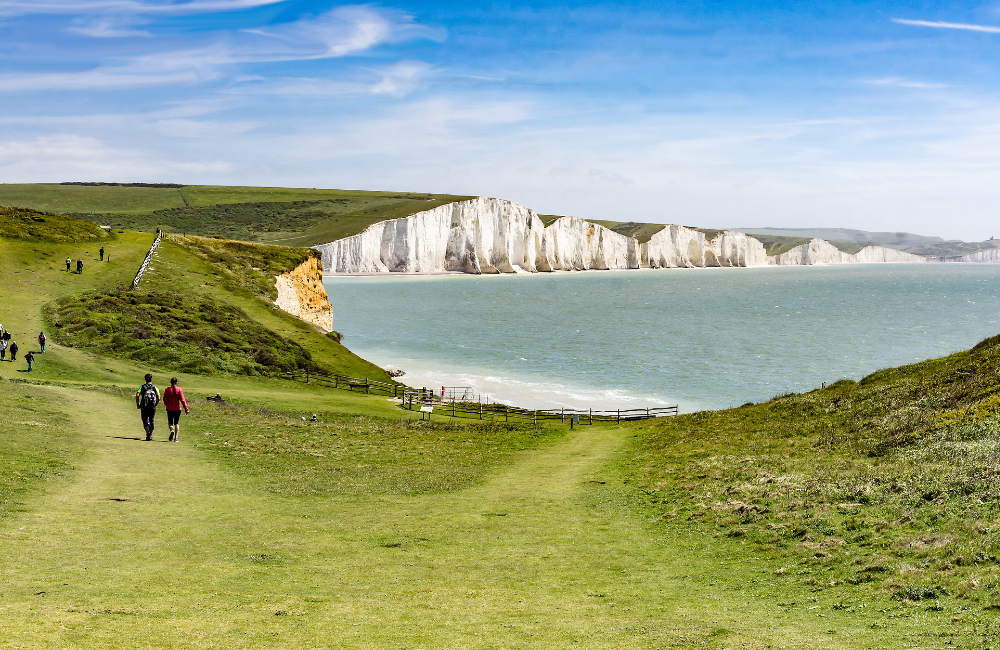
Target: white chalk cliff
pixel 677 246
pixel 486 235
pixel 820 251
pixel 991 256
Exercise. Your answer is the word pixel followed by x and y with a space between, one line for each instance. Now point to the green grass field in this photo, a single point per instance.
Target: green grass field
pixel 857 516
pixel 288 216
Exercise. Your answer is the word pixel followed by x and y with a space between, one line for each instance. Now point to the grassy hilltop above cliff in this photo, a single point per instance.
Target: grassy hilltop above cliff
pixel 287 216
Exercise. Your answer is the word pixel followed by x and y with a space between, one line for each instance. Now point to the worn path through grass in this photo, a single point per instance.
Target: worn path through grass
pixel 153 545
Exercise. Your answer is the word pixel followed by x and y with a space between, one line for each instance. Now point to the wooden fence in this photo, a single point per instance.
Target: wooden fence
pixel 414 398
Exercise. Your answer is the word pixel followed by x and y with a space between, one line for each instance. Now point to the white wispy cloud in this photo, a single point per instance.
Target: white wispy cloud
pixel 61 156
pixel 396 81
pixel 84 7
pixel 900 82
pixel 990 29
pixel 340 32
pixel 110 27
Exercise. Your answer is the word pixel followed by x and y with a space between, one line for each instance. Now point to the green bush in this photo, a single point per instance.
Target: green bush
pixel 21 223
pixel 190 333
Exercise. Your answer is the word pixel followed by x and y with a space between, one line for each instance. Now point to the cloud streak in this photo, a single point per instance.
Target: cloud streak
pixel 989 29
pixel 83 7
pixel 341 32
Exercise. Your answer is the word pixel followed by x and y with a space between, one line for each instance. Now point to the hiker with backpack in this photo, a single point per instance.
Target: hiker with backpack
pixel 173 400
pixel 13 351
pixel 41 341
pixel 79 266
pixel 146 400
pixel 68 262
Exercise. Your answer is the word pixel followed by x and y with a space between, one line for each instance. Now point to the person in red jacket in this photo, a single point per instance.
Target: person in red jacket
pixel 173 400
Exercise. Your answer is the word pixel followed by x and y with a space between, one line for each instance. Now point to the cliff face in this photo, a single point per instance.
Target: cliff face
pixel 572 244
pixel 301 293
pixel 496 236
pixel 991 256
pixel 487 235
pixel 677 246
pixel 479 236
pixel 820 251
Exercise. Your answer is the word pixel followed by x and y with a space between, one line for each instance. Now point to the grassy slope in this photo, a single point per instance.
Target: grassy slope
pixel 290 216
pixel 889 485
pixel 776 245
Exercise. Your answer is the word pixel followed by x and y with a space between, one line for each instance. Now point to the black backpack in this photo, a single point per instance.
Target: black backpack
pixel 149 397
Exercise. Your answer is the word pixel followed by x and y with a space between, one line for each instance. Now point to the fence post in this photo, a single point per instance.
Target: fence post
pixel 591 415
pixel 647 412
pixel 307 375
pixel 563 417
pixel 619 416
pixel 452 407
pixel 506 413
pixel 534 418
pixel 336 381
pixel 480 410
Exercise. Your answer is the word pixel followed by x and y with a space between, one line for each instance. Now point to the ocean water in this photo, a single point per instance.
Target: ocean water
pixel 699 338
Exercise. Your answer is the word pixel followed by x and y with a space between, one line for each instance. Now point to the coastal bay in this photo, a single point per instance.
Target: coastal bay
pixel 700 338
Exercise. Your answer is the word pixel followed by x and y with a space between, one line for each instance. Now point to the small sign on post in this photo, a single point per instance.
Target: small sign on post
pixel 426 410
pixel 573 419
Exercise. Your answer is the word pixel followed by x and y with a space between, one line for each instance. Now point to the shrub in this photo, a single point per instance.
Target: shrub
pixel 192 333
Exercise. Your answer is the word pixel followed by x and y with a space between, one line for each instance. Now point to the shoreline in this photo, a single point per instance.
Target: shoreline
pixel 519 273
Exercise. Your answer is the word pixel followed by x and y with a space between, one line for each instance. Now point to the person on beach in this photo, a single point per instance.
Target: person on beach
pixel 41 341
pixel 146 400
pixel 79 266
pixel 102 253
pixel 13 351
pixel 68 262
pixel 29 358
pixel 173 400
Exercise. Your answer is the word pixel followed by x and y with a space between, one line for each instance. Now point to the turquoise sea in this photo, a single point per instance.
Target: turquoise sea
pixel 700 338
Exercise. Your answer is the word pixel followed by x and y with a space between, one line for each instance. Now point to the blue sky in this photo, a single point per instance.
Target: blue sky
pixel 872 115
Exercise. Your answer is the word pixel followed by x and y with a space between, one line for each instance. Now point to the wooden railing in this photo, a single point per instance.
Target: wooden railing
pixel 414 398
pixel 348 383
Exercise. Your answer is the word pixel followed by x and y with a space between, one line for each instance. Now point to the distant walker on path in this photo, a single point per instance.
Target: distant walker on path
pixel 68 262
pixel 79 266
pixel 146 400
pixel 13 350
pixel 102 253
pixel 173 400
pixel 41 341
pixel 29 358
